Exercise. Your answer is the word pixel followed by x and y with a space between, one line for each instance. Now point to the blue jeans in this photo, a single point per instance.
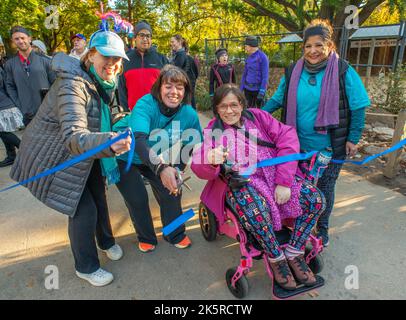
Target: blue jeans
pixel 327 184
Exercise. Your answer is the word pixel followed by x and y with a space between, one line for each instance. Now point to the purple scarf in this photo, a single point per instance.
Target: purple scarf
pixel 327 115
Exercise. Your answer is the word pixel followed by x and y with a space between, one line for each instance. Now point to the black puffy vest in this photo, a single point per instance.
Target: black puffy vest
pixel 338 135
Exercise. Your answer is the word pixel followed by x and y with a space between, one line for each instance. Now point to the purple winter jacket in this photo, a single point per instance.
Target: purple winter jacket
pixel 256 72
pixel 264 179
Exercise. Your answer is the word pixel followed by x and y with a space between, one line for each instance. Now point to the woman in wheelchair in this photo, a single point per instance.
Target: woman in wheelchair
pixel 271 194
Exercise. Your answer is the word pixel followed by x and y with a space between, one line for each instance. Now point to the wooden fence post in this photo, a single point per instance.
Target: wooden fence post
pixel 399 134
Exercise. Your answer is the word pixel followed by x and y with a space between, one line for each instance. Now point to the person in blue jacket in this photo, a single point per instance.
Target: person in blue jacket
pixel 323 97
pixel 255 77
pixel 160 120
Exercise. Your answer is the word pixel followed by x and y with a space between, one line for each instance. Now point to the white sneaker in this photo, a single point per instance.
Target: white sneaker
pixel 98 278
pixel 114 253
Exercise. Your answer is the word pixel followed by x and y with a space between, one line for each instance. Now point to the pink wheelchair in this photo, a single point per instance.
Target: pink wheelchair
pixel 225 223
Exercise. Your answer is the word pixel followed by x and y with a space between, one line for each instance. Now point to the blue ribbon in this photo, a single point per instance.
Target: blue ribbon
pixel 83 157
pixel 304 156
pixel 131 151
pixel 178 222
pixel 278 160
pixel 397 146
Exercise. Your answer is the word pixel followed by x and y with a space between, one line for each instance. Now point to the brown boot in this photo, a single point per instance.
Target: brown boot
pixel 302 271
pixel 282 274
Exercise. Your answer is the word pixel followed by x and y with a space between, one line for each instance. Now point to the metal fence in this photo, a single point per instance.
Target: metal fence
pixel 269 44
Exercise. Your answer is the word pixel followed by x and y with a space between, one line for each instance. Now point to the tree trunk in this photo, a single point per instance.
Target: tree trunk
pixel 130 11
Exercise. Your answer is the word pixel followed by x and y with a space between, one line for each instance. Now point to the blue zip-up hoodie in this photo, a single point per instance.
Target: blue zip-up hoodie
pixel 256 72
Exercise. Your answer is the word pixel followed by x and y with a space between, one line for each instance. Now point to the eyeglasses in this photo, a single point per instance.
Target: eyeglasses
pixel 144 35
pixel 235 106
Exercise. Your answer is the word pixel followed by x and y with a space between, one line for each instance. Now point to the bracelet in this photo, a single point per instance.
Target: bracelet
pixel 161 168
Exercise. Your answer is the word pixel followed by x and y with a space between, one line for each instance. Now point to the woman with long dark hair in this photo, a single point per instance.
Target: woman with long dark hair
pixel 323 97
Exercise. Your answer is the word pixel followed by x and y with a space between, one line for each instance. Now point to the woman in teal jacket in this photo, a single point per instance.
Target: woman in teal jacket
pixel 159 121
pixel 324 99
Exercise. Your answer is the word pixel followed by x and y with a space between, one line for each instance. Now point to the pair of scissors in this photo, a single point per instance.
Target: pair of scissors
pixel 181 182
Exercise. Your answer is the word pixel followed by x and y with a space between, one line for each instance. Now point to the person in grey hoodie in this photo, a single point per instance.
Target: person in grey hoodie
pixel 27 74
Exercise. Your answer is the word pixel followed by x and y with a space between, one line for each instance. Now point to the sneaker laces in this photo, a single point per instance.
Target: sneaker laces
pixel 283 268
pixel 99 273
pixel 302 264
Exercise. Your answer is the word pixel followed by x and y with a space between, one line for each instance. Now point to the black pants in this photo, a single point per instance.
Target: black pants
pixel 11 142
pixel 252 100
pixel 193 102
pixel 27 118
pixel 326 184
pixel 132 188
pixel 91 220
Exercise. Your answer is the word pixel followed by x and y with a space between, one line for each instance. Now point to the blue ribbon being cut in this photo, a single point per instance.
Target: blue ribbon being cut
pixel 304 156
pixel 178 222
pixel 83 157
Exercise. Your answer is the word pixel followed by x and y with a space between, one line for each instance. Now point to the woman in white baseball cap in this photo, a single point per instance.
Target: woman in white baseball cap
pixel 73 118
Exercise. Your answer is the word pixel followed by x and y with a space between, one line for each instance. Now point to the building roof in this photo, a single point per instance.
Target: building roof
pixel 382 32
pixel 290 39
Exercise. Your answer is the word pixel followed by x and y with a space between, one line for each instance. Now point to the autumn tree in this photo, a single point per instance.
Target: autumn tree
pixel 295 14
pixel 74 16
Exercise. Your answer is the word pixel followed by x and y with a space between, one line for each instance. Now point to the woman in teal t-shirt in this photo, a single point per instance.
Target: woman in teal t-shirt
pixel 324 99
pixel 159 121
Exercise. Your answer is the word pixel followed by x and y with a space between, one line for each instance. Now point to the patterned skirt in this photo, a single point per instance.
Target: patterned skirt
pixel 11 120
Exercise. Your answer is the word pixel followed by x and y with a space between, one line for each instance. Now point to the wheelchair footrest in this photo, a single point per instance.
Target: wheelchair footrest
pixel 281 293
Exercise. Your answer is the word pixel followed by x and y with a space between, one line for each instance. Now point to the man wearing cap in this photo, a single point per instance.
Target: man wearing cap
pixel 256 73
pixel 141 72
pixel 79 46
pixel 27 74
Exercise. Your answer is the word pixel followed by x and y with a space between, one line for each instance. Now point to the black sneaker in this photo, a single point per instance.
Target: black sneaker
pixel 6 162
pixel 323 234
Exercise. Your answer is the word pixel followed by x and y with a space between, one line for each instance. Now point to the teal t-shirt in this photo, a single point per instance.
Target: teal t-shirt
pixel 164 132
pixel 308 99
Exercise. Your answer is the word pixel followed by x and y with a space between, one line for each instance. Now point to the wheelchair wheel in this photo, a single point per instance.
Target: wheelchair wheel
pixel 316 264
pixel 241 286
pixel 208 223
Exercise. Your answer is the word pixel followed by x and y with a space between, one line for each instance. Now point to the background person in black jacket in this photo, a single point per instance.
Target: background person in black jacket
pixel 11 120
pixel 222 72
pixel 182 60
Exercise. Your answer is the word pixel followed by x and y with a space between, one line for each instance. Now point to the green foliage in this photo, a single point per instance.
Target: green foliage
pixel 386 13
pixel 203 99
pixel 196 20
pixel 390 92
pixel 74 16
pixel 396 91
